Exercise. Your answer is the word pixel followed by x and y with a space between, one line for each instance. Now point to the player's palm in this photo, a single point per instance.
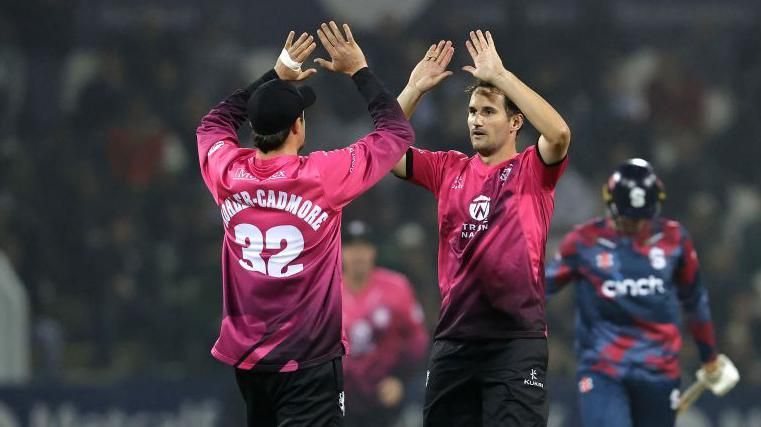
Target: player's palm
pixel 487 64
pixel 431 70
pixel 345 54
pixel 299 51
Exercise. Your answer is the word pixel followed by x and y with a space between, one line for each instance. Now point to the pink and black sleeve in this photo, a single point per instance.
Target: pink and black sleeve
pixel 349 172
pixel 217 135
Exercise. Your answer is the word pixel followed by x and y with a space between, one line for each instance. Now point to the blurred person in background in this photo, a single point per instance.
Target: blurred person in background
pixel 489 357
pixel 633 270
pixel 387 336
pixel 281 212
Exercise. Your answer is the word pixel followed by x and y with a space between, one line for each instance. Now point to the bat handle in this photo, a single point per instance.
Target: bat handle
pixel 689 396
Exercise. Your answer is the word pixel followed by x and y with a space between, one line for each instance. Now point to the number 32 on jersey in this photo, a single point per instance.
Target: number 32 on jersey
pixel 254 242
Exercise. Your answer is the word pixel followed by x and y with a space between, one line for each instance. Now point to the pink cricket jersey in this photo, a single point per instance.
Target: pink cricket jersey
pixel 493 225
pixel 281 251
pixel 386 332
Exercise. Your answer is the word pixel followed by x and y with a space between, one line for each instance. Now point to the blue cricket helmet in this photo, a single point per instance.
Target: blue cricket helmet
pixel 634 191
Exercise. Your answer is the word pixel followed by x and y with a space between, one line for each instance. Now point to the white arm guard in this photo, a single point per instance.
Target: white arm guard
pixel 721 381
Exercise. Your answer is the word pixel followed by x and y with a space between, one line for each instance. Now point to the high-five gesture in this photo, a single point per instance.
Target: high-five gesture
pixel 297 52
pixel 432 69
pixel 429 72
pixel 345 54
pixel 487 65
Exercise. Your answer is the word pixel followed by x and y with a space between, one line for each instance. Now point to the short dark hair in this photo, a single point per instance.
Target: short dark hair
pixel 267 143
pixel 510 106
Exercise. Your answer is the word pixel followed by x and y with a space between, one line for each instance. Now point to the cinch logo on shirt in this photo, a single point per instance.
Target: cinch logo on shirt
pixel 633 287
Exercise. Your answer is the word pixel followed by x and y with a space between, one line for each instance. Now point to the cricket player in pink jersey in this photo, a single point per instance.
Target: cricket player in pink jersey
pixel 489 356
pixel 384 323
pixel 281 215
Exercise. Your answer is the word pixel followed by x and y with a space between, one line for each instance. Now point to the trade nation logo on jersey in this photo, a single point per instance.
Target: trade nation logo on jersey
pixel 479 208
pixel 479 211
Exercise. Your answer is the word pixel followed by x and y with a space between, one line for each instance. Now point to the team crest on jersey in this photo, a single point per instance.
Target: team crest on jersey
pixel 381 317
pixel 657 258
pixel 361 337
pixel 604 260
pixel 479 208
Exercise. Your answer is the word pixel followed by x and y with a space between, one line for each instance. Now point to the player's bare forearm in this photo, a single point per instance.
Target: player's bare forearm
pixel 555 133
pixel 408 100
pixel 429 72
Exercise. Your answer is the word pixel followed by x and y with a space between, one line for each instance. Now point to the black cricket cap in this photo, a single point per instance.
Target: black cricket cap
pixel 275 105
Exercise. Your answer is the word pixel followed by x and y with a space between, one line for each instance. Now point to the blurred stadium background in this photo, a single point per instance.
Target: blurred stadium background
pixel 109 243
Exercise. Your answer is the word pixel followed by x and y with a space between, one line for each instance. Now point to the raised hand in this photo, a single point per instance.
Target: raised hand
pixel 345 54
pixel 431 70
pixel 487 64
pixel 299 51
